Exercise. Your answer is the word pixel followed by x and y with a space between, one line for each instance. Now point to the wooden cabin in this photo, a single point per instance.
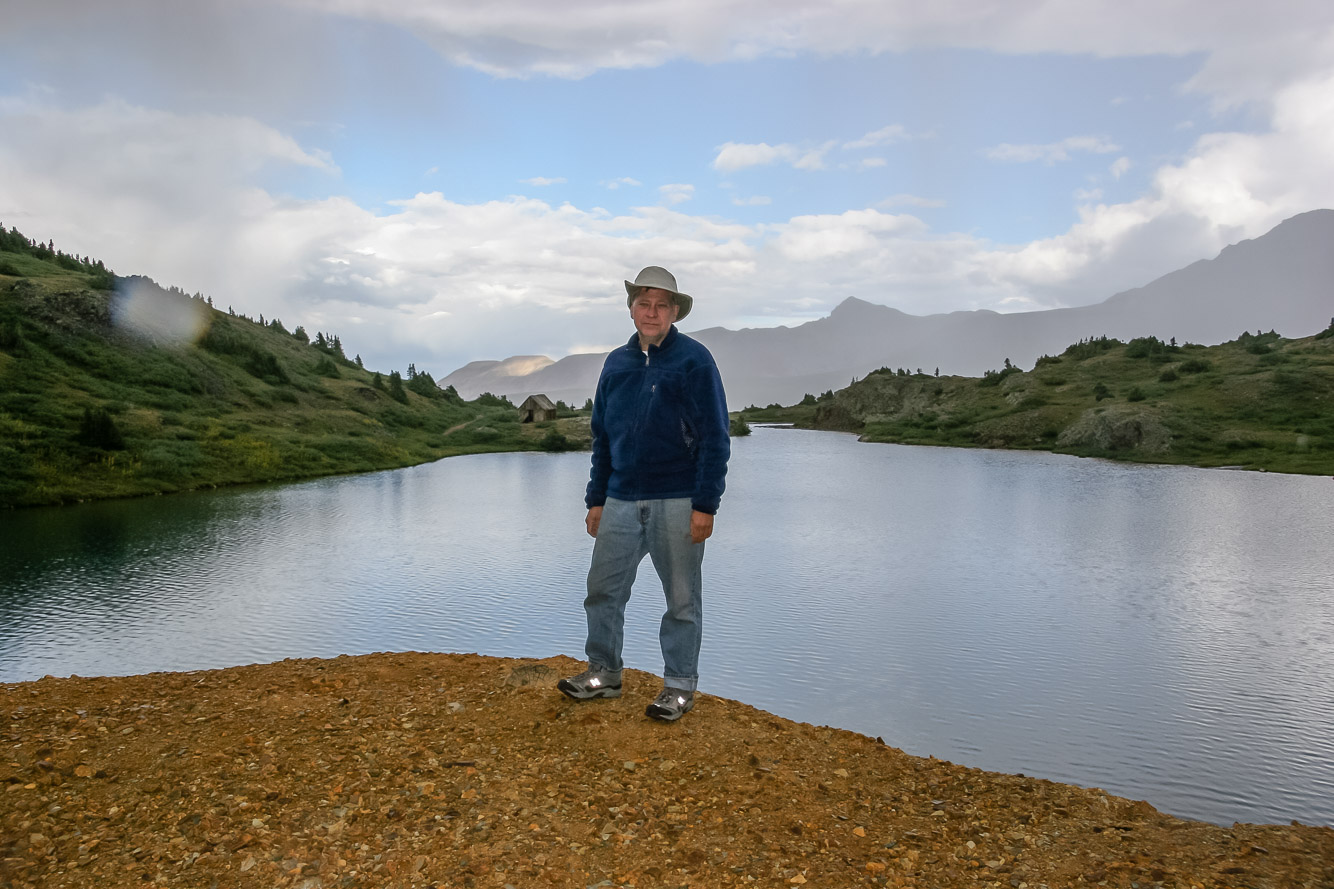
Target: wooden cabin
pixel 536 408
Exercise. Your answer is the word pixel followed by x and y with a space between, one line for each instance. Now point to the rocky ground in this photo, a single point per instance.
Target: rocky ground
pixel 458 770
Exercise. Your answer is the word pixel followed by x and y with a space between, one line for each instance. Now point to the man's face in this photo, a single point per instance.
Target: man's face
pixel 654 312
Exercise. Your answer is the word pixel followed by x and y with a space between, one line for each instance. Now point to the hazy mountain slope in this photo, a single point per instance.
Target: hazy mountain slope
pixel 1283 281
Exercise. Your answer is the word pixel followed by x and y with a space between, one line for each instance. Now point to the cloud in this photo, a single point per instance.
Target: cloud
pixel 734 156
pixel 757 200
pixel 1051 153
pixel 889 135
pixel 1252 49
pixel 676 194
pixel 1119 167
pixel 541 181
pixel 614 184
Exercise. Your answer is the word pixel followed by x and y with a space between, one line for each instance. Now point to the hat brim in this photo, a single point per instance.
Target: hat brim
pixel 683 301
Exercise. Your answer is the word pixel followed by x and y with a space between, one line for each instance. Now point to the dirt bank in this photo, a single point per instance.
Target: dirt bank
pixel 459 770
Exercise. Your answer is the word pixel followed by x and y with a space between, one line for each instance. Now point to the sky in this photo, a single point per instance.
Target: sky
pixel 443 182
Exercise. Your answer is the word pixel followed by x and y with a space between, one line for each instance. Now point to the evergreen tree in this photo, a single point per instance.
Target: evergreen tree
pixel 396 390
pixel 300 334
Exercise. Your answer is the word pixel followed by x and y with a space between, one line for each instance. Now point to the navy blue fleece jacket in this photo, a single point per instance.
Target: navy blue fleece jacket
pixel 660 425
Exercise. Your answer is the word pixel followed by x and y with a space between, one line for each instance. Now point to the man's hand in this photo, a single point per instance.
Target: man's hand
pixel 594 518
pixel 701 526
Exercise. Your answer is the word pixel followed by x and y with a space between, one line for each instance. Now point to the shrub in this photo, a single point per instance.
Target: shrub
pixel 1136 394
pixel 10 338
pixel 994 377
pixel 1100 391
pixel 486 399
pixel 1046 360
pixel 1195 366
pixel 739 426
pixel 1090 348
pixel 98 430
pixel 1168 376
pixel 326 368
pixel 555 442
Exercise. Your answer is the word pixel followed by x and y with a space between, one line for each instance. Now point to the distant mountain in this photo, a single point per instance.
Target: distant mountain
pixel 1283 280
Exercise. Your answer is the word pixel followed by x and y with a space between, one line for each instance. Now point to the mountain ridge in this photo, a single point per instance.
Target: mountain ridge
pixel 1280 280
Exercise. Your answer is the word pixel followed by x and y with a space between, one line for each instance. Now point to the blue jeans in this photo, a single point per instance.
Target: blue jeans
pixel 628 531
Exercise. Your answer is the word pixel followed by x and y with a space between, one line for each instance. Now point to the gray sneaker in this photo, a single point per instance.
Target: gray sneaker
pixel 595 682
pixel 671 704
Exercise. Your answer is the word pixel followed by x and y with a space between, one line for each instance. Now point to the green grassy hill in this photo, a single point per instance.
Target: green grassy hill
pixel 1258 402
pixel 90 408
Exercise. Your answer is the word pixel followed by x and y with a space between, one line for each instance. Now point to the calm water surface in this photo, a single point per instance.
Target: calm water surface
pixel 1164 633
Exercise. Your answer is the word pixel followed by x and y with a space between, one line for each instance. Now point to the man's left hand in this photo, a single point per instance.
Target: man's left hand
pixel 701 526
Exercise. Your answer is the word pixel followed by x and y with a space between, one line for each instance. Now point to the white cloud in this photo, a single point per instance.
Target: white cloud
pixel 541 181
pixel 871 163
pixel 676 194
pixel 757 200
pixel 1052 152
pixel 1119 167
pixel 614 184
pixel 734 156
pixel 885 136
pixel 1252 48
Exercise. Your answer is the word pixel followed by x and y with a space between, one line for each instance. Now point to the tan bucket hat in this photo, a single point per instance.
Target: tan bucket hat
pixel 658 278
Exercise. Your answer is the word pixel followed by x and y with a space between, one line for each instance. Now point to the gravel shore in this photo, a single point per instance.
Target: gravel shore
pixel 467 771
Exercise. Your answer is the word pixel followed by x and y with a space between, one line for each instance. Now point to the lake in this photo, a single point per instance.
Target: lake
pixel 1164 633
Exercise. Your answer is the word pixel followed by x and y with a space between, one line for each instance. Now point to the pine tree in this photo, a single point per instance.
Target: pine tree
pixel 396 390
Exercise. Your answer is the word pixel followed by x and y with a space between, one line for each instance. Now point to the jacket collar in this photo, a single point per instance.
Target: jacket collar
pixel 633 343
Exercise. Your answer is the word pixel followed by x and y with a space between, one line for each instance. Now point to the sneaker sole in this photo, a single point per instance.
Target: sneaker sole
pixel 667 715
pixel 570 691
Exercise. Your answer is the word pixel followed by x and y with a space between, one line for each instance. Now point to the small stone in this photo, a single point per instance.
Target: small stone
pixel 248 863
pixel 842 773
pixel 83 771
pixel 859 831
pixel 455 706
pixel 628 765
pixel 667 765
pixel 798 880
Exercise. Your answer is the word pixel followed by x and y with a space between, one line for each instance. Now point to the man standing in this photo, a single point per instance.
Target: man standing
pixel 660 449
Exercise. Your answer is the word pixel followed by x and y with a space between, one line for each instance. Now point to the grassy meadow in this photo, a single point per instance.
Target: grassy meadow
pixel 91 409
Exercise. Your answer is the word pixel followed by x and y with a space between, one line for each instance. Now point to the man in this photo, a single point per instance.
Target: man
pixel 660 449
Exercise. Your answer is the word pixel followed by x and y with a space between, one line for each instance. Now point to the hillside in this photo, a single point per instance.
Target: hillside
pixel 143 390
pixel 1258 402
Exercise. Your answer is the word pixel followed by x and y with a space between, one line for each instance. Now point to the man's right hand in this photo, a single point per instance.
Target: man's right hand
pixel 592 520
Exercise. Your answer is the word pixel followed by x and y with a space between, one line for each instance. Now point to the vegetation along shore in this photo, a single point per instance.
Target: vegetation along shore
pixel 1258 402
pixel 440 770
pixel 93 405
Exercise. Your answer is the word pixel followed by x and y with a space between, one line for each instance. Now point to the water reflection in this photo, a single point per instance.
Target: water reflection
pixel 1161 632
